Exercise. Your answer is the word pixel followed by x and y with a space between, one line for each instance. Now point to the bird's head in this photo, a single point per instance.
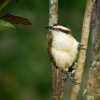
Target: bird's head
pixel 58 27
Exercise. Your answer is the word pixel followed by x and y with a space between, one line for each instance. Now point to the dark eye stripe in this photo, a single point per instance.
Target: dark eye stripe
pixel 65 31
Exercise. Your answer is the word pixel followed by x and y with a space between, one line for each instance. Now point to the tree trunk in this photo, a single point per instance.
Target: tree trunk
pixel 93 82
pixel 56 73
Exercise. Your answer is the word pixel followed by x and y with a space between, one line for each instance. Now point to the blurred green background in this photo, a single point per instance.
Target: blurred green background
pixel 25 69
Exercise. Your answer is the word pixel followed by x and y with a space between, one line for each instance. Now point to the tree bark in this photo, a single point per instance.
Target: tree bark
pixel 82 53
pixel 56 73
pixel 93 82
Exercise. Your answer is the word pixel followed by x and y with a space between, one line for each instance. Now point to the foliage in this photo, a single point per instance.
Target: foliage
pixel 7 20
pixel 4 25
pixel 3 3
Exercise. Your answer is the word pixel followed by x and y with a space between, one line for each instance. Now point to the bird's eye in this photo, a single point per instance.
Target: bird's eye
pixel 59 29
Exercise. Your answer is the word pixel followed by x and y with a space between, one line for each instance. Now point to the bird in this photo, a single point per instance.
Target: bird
pixel 62 48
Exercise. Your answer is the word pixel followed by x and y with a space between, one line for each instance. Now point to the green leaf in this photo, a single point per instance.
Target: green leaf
pixel 3 4
pixel 4 25
pixel 89 97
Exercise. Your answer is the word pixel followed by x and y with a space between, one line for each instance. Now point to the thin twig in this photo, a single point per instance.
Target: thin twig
pixel 57 80
pixel 82 53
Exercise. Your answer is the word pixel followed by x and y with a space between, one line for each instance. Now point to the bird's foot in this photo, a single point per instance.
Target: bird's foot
pixel 72 78
pixel 82 47
pixel 68 75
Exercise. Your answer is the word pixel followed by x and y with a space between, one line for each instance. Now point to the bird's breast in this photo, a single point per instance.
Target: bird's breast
pixel 64 50
pixel 64 42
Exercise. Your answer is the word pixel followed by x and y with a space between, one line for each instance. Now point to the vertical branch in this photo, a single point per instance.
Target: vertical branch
pixel 82 53
pixel 53 11
pixel 57 80
pixel 93 82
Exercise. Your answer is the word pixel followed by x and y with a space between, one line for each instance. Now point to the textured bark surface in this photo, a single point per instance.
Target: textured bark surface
pixel 93 82
pixel 56 73
pixel 57 85
pixel 82 53
pixel 53 11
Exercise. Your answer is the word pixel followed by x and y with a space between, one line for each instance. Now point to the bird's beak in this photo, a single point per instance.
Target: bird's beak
pixel 48 27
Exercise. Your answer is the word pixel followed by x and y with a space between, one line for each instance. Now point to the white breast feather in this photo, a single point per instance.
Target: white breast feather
pixel 64 49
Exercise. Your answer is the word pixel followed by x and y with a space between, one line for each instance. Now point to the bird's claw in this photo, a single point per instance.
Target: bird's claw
pixel 68 75
pixel 72 79
pixel 82 47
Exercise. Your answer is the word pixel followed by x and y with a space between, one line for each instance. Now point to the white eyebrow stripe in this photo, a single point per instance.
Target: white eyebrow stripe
pixel 63 28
